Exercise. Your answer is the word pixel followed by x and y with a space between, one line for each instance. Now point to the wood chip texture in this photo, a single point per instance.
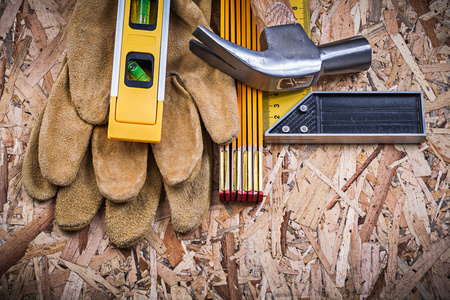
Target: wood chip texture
pixel 337 221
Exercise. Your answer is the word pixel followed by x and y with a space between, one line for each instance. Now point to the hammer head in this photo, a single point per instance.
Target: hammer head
pixel 289 60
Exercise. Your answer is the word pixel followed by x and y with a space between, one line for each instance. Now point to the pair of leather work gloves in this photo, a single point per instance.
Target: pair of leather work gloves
pixel 70 156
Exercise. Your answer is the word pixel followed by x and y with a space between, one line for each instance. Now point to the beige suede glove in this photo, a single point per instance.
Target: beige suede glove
pixel 69 126
pixel 80 100
pixel 196 95
pixel 69 148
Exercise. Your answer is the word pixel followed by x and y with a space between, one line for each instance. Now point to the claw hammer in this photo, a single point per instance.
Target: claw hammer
pixel 289 60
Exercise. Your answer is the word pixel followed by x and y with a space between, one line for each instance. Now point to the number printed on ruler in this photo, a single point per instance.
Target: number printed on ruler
pixel 300 7
pixel 276 105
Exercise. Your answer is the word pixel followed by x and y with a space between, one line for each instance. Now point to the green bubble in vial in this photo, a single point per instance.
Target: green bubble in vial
pixel 143 16
pixel 136 72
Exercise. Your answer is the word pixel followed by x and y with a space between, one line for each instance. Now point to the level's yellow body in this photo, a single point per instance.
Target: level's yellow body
pixel 136 107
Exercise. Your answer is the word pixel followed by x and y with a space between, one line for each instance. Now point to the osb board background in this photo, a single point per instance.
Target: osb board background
pixel 386 237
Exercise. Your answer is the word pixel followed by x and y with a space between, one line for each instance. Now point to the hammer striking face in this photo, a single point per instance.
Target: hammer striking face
pixel 289 60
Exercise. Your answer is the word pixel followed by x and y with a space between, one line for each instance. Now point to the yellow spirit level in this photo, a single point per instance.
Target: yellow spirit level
pixel 139 68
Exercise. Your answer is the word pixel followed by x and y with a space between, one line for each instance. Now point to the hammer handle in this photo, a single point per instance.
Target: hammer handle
pixel 272 12
pixel 346 56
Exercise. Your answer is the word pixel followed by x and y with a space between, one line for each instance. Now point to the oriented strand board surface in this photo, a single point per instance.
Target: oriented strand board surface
pixel 382 238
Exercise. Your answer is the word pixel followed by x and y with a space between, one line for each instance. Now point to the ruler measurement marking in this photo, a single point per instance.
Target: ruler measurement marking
pixel 241 165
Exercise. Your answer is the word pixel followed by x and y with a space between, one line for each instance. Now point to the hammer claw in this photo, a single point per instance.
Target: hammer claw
pixel 209 56
pixel 236 61
pixel 232 54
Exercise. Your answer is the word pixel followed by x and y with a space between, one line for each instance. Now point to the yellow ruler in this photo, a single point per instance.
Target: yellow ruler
pixel 241 161
pixel 276 105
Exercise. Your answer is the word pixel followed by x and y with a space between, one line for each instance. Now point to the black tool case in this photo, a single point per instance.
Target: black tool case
pixel 352 117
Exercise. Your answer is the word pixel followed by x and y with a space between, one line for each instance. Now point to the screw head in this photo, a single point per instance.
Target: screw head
pixel 304 129
pixel 303 108
pixel 285 129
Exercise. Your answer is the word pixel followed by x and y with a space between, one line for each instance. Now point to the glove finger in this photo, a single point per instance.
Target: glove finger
pixel 213 91
pixel 192 13
pixel 64 137
pixel 218 107
pixel 205 7
pixel 179 153
pixel 189 203
pixel 90 50
pixel 34 183
pixel 78 203
pixel 120 167
pixel 127 223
